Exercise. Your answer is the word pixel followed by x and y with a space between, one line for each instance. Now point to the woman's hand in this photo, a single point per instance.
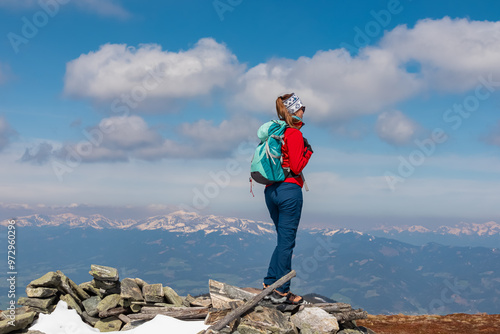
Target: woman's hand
pixel 307 145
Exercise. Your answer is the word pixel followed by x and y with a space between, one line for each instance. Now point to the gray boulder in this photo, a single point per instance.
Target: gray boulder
pixel 313 320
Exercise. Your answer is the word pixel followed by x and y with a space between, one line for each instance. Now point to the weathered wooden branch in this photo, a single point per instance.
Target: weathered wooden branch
pixel 112 312
pixel 223 294
pixel 251 303
pixel 181 313
pixel 331 306
pixel 352 315
pixel 125 319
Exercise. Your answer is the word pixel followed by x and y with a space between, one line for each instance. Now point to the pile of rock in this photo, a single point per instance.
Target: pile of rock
pixel 267 318
pixel 109 304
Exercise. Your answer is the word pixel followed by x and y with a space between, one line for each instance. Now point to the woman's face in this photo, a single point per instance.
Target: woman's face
pixel 300 113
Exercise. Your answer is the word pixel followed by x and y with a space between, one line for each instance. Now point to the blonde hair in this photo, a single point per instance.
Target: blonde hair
pixel 283 113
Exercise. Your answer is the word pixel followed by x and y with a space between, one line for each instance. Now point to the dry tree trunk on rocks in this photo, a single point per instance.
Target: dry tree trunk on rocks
pixel 251 303
pixel 181 313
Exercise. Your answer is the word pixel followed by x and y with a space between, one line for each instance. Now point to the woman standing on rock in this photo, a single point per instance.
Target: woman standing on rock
pixel 284 199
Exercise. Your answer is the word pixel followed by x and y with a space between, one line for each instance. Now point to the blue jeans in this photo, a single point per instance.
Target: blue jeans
pixel 284 201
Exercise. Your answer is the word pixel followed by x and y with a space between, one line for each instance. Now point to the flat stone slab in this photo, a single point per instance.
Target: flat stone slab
pixel 40 292
pixel 41 303
pixel 103 273
pixel 110 324
pixel 265 320
pixel 130 290
pixel 72 303
pixel 108 302
pixel 50 279
pixel 171 296
pixel 21 321
pixel 153 293
pixel 105 285
pixel 90 305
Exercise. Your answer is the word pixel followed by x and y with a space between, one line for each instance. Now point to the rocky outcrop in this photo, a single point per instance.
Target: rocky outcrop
pixel 16 320
pixel 108 304
pixel 314 320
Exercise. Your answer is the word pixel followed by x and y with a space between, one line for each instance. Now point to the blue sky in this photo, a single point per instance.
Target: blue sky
pixel 132 109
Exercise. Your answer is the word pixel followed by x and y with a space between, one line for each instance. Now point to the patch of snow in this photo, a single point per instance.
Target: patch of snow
pixel 65 321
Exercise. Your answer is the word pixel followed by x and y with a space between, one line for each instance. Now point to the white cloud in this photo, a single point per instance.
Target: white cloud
pixel 452 53
pixel 395 127
pixel 116 70
pixel 220 139
pixel 114 139
pixel 124 138
pixel 203 139
pixel 101 7
pixel 127 133
pixel 331 87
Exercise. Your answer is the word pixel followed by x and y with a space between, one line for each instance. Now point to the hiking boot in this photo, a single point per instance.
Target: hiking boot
pixel 286 298
pixel 264 287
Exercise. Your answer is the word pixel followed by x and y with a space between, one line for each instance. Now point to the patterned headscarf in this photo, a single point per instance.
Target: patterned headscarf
pixel 293 103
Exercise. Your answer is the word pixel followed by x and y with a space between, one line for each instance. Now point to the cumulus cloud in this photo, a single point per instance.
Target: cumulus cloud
pixel 449 55
pixel 452 53
pixel 219 140
pixel 124 138
pixel 204 139
pixel 395 127
pixel 110 8
pixel 331 87
pixel 6 132
pixel 129 75
pixel 113 139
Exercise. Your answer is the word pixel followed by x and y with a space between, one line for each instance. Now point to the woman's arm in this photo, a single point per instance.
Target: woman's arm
pixel 298 154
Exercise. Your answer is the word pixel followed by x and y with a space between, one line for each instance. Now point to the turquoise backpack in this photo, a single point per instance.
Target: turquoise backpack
pixel 266 163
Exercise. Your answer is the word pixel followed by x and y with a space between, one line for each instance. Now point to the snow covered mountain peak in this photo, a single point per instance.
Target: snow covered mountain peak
pixel 469 229
pixel 179 221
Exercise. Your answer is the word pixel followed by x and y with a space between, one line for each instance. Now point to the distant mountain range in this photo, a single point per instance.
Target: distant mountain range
pixel 179 221
pixel 184 250
pixel 463 234
pixel 190 222
pixel 469 229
